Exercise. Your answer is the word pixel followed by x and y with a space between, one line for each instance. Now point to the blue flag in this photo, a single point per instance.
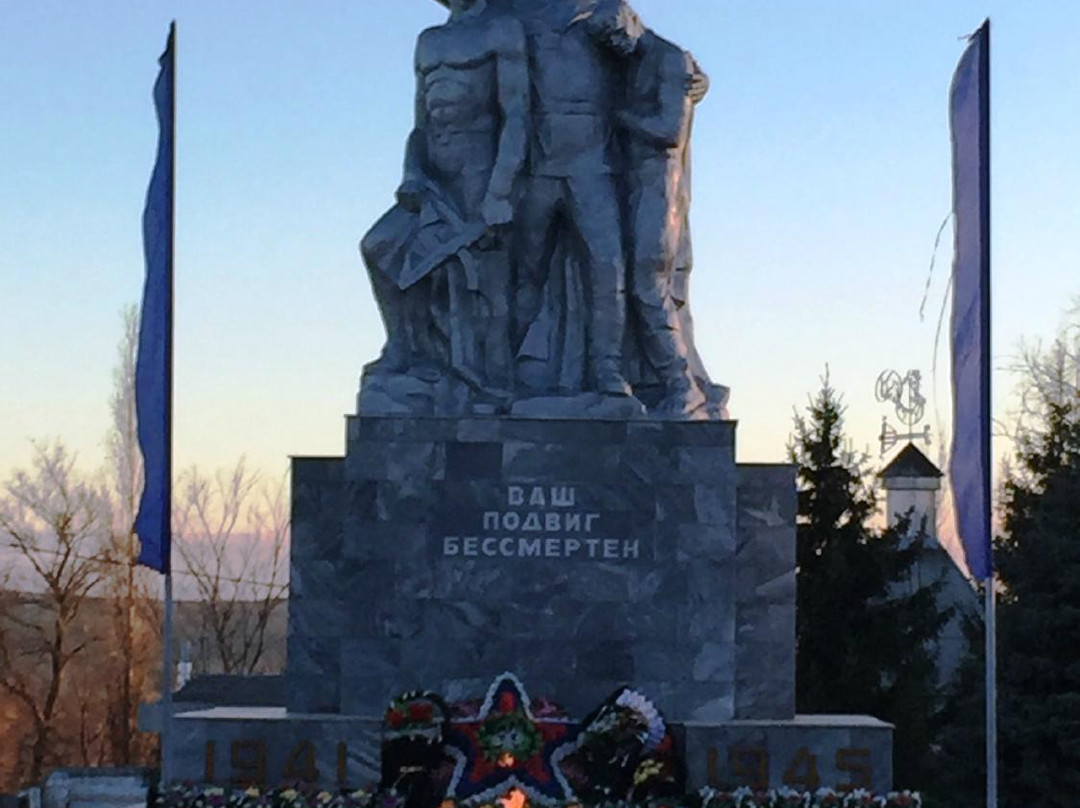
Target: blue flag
pixel 153 368
pixel 969 467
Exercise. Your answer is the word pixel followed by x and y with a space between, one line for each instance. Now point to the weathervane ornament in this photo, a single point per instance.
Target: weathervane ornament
pixel 910 405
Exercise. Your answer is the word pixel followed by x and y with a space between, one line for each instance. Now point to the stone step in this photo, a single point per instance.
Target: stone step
pixel 113 793
pixel 106 786
pixel 90 788
pixel 119 801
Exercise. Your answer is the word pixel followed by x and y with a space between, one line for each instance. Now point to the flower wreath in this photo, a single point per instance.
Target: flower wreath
pixel 510 733
pixel 417 714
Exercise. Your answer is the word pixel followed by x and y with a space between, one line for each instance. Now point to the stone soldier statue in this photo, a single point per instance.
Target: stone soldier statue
pixel 441 281
pixel 571 191
pixel 550 147
pixel 654 114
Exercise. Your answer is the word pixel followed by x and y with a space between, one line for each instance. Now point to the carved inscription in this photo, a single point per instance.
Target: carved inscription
pixel 541 522
pixel 802 772
pixel 300 765
pixel 342 763
pixel 249 767
pixel 751 766
pixel 856 763
pixel 248 760
pixel 748 766
pixel 712 767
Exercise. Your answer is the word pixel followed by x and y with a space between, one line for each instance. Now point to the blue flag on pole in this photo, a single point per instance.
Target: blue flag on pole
pixel 153 368
pixel 969 467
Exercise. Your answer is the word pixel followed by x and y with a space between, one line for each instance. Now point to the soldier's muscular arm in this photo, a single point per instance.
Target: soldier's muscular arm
pixel 666 128
pixel 512 76
pixel 412 182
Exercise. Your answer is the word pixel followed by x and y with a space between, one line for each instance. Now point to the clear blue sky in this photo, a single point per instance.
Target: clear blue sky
pixel 821 177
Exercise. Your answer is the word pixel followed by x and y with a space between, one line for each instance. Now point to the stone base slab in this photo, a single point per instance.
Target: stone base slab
pixel 94 787
pixel 841 752
pixel 266 746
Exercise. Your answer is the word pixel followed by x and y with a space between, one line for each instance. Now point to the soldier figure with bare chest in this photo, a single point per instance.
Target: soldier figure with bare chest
pixel 440 286
pixel 471 107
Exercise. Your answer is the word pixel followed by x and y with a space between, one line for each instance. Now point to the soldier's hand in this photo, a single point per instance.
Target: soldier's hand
pixel 497 211
pixel 697 86
pixel 409 196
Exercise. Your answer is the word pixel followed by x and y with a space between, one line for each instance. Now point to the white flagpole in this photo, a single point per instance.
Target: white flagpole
pixel 991 696
pixel 167 686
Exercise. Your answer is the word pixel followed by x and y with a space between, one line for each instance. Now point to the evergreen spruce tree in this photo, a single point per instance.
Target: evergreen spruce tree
pixel 1038 564
pixel 864 638
pixel 957 776
pixel 1038 561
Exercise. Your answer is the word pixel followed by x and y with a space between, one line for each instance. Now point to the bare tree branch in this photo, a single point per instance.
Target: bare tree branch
pixel 133 625
pixel 57 521
pixel 232 532
pixel 1049 376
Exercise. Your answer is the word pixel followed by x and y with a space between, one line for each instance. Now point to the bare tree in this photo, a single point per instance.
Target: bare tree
pixel 1052 374
pixel 56 523
pixel 11 722
pixel 125 467
pixel 9 745
pixel 232 534
pixel 132 632
pixel 1049 375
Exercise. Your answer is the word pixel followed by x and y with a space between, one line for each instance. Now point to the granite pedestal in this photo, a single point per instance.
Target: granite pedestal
pixel 581 555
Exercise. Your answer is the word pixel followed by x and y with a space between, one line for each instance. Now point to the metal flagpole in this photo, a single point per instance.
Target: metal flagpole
pixel 991 594
pixel 167 629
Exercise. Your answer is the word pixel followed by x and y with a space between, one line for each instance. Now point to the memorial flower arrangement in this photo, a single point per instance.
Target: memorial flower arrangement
pixel 509 732
pixel 190 795
pixel 631 715
pixel 417 714
pixel 822 798
pixel 624 752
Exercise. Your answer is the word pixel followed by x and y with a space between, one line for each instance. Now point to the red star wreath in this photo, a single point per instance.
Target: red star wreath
pixel 507 745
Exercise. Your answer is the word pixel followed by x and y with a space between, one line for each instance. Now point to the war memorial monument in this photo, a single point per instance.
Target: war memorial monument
pixel 539 521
